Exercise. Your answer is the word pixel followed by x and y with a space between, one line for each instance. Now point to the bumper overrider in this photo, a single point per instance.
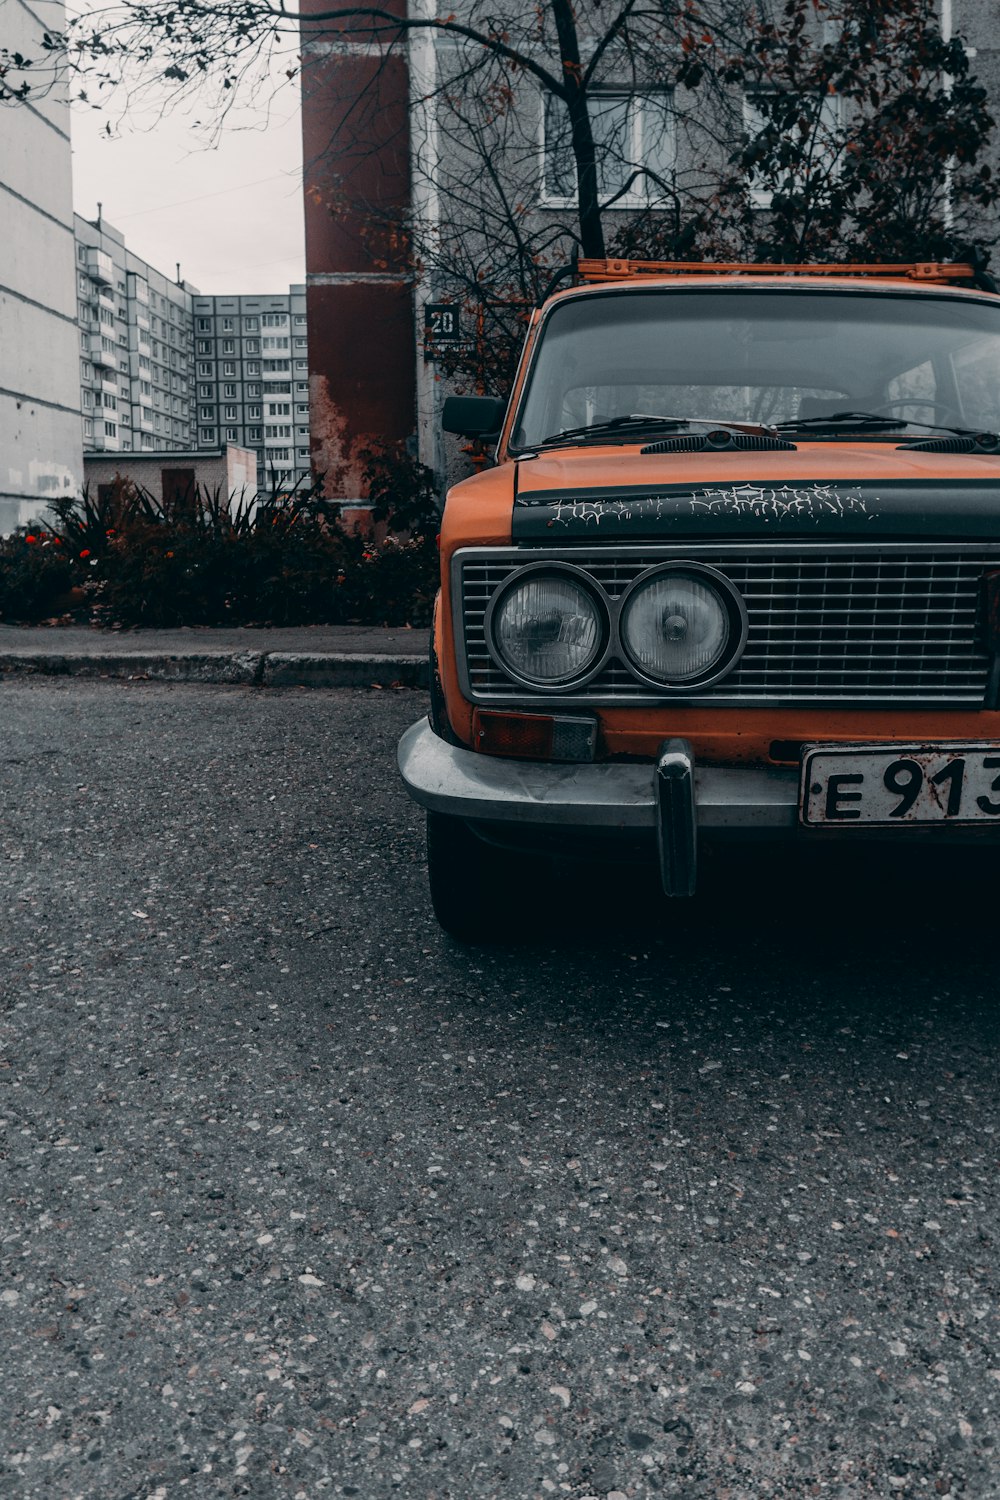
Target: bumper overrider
pixel 672 800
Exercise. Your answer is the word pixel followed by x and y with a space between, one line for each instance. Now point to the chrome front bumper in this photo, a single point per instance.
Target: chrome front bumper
pixel 672 799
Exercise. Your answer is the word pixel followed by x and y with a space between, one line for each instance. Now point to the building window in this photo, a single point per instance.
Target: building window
pixel 230 413
pixel 204 325
pixel 207 435
pixel 253 390
pixel 110 429
pixel 109 402
pixel 279 409
pixel 229 390
pixel 274 320
pixel 206 413
pixel 204 391
pixel 301 343
pixel 232 434
pixel 275 366
pixel 278 430
pixel 301 408
pixel 274 342
pixel 204 368
pixel 253 434
pixel 229 346
pixel 300 319
pixel 253 367
pixel 228 367
pixel 227 325
pixel 204 346
pixel 81 254
pixel 632 132
pixel 250 325
pixel 88 427
pixel 251 346
pixel 253 413
pixel 817 148
pixel 301 364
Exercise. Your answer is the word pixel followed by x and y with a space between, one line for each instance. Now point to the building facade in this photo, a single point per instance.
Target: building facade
pixel 164 369
pixel 136 338
pixel 40 441
pixel 251 381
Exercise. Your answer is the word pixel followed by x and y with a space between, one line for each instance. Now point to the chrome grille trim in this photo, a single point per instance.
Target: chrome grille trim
pixel 879 623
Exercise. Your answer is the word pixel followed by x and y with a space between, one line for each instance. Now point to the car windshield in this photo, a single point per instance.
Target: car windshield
pixel 763 356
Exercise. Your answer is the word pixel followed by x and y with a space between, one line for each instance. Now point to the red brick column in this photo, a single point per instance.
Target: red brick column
pixel 356 143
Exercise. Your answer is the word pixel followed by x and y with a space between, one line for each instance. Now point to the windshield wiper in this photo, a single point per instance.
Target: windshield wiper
pixel 861 421
pixel 641 422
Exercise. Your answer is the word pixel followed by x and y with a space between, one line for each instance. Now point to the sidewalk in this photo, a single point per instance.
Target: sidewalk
pixel 310 656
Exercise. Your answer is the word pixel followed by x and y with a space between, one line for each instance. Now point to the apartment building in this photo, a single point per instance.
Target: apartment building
pixel 136 338
pixel 40 451
pixel 164 369
pixel 252 380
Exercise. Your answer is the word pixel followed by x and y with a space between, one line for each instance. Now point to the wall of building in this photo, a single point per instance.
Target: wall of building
pixel 136 337
pixel 251 380
pixel 40 447
pixel 231 472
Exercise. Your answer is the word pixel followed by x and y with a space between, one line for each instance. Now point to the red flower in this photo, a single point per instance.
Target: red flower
pixel 85 552
pixel 30 538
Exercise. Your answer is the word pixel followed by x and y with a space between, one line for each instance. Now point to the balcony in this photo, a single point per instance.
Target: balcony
pixel 100 267
pixel 106 297
pixel 101 356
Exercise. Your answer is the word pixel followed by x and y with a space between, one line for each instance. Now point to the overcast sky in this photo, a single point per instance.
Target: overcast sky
pixel 231 214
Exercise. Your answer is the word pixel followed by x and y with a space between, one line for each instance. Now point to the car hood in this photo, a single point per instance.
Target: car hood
pixel 821 489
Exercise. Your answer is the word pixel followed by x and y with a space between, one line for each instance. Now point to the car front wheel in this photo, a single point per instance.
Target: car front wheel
pixel 473 884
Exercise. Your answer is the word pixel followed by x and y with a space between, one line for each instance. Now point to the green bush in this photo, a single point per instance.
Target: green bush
pixel 37 576
pixel 121 560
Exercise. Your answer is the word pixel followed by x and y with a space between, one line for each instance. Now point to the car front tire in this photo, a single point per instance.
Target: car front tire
pixel 473 884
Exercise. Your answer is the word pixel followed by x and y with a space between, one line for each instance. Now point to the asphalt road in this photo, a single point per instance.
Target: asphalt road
pixel 300 1199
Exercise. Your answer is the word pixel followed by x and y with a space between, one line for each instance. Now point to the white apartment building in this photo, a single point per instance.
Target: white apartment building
pixel 135 327
pixel 40 450
pixel 164 369
pixel 252 380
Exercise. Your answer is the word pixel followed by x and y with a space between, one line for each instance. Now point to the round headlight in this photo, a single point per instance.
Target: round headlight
pixel 547 628
pixel 678 626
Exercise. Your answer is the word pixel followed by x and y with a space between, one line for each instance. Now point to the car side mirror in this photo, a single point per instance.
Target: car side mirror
pixel 473 416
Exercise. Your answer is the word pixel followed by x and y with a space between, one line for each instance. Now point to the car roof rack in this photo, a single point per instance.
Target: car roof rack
pixel 927 271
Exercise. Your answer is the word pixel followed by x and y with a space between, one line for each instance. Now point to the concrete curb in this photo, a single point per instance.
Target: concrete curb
pixel 239 668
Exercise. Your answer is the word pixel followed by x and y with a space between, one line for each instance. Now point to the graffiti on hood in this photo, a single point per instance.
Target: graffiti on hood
pixel 816 502
pixel 779 502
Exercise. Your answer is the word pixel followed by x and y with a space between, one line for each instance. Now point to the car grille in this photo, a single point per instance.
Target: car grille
pixel 883 623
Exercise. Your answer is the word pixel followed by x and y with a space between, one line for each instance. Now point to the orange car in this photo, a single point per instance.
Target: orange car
pixel 736 571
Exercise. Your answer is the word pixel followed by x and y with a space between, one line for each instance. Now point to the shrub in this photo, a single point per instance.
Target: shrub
pixel 122 560
pixel 37 576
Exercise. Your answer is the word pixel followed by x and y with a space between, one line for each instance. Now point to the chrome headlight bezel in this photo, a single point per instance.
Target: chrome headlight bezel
pixel 594 594
pixel 728 596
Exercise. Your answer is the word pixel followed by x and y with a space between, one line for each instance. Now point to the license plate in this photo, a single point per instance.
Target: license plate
pixel 896 784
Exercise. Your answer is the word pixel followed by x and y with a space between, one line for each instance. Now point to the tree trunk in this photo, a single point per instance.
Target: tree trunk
pixel 581 132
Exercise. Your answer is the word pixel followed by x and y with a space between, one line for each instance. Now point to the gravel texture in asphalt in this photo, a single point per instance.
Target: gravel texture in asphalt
pixel 301 1199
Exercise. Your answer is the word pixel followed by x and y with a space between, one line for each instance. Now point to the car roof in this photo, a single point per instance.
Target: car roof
pixel 938 278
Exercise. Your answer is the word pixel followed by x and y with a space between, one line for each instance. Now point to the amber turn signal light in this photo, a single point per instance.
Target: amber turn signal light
pixel 535 736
